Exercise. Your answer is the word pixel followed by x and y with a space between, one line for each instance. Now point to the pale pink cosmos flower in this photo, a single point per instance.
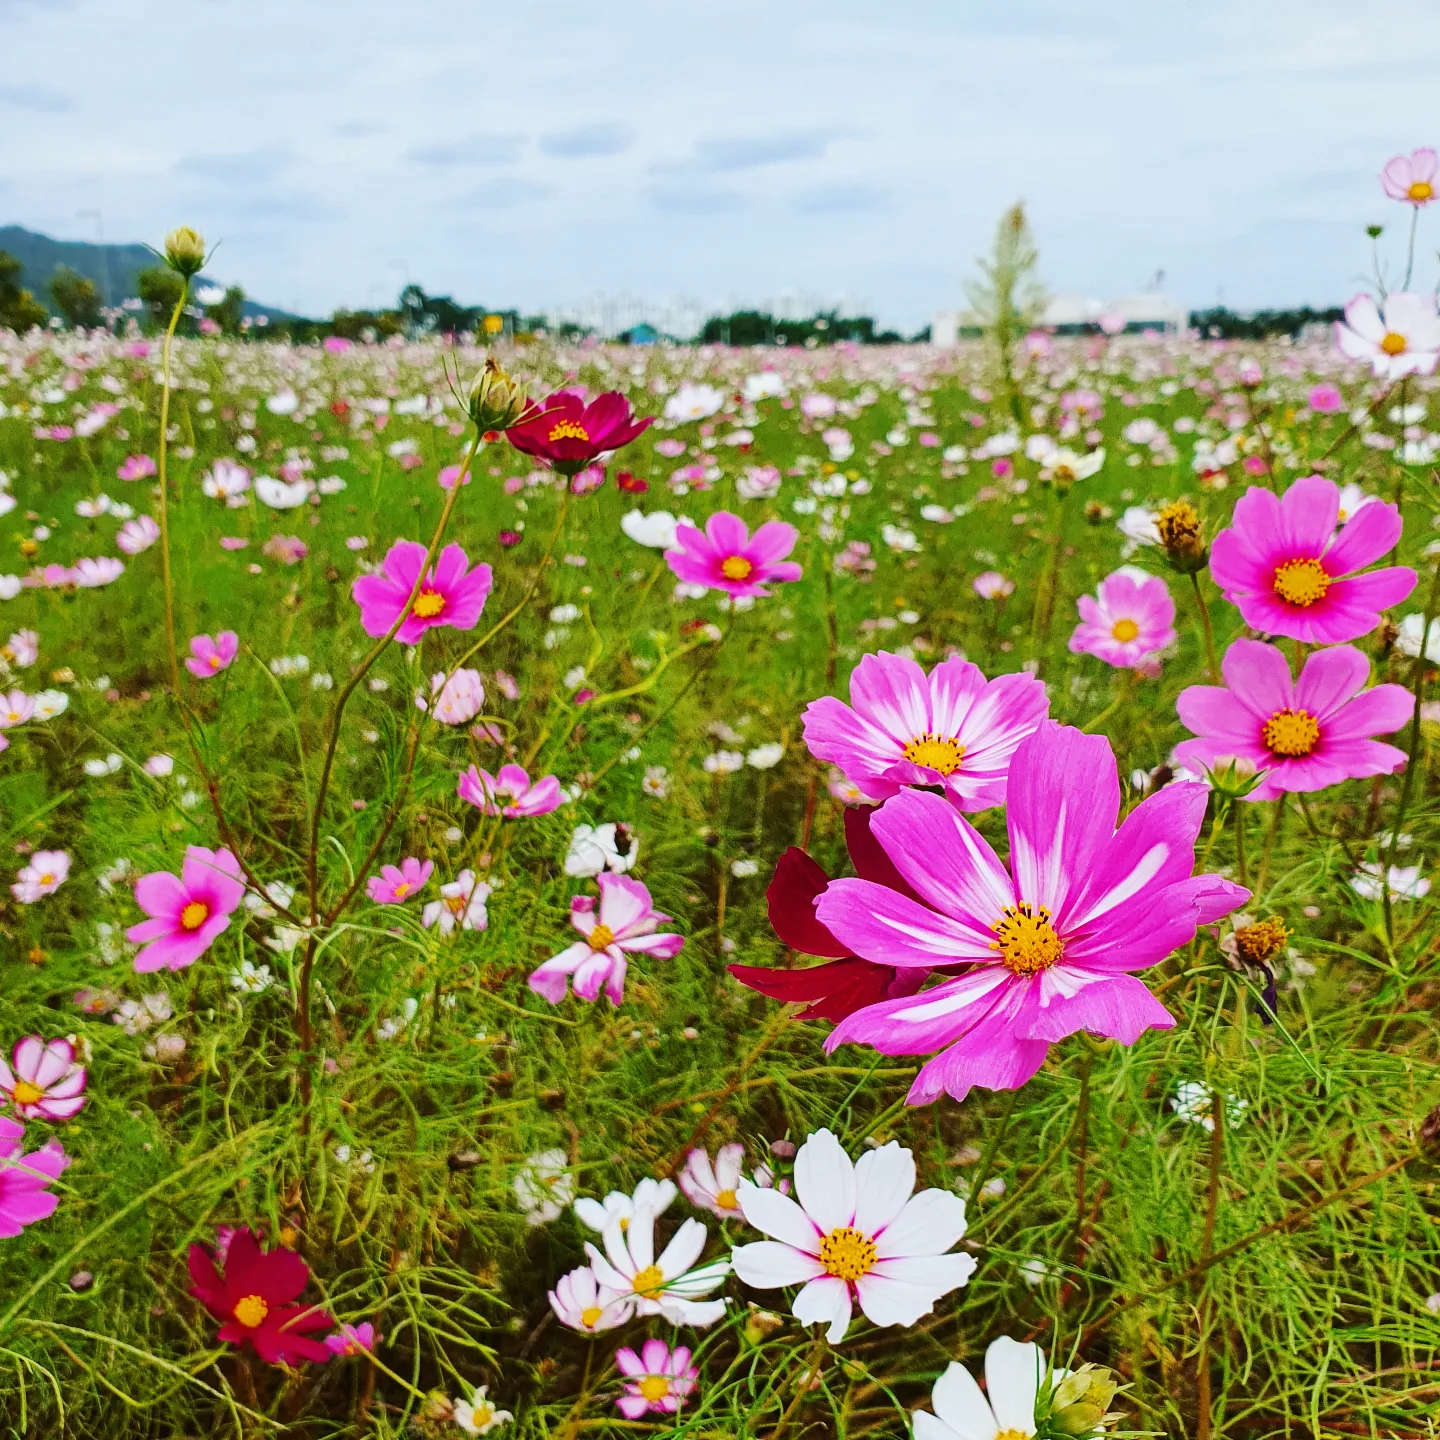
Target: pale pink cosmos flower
pixel 450 474
pixel 450 594
pixel 15 708
pixel 715 1187
pixel 23 648
pixel 658 1379
pixel 509 792
pixel 951 728
pixel 396 884
pixel 1402 338
pixel 25 1179
pixel 725 556
pixel 1412 177
pixel 92 574
pixel 1048 943
pixel 1130 616
pixel 855 1233
pixel 1306 734
pixel 137 535
pixel 668 1284
pixel 210 655
pixel 507 685
pixel 461 905
pixel 1282 564
pixel 226 480
pixel 187 911
pixel 44 875
pixel 136 467
pixel 624 922
pixel 42 1080
pixel 580 1302
pixel 458 697
pixel 992 585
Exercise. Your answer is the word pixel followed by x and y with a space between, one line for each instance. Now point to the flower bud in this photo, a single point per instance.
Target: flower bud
pixel 185 251
pixel 1182 538
pixel 1082 1400
pixel 761 1324
pixel 496 401
pixel 1233 777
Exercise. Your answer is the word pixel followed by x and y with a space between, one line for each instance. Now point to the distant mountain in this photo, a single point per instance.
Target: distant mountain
pixel 114 269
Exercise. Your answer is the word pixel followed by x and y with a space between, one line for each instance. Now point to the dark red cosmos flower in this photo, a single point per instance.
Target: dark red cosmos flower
pixel 254 1300
pixel 567 434
pixel 631 484
pixel 848 983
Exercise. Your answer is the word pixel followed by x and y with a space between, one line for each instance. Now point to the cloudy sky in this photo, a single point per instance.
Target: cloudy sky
pixel 533 154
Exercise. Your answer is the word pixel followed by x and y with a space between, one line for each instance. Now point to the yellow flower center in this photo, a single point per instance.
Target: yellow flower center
pixel 1026 940
pixel 1393 343
pixel 1301 582
pixel 1261 942
pixel 654 1388
pixel 568 430
pixel 935 752
pixel 428 604
pixel 194 915
pixel 251 1311
pixel 1421 190
pixel 1063 472
pixel 727 1200
pixel 649 1282
pixel 214 662
pixel 601 936
pixel 403 888
pixel 590 1316
pixel 736 567
pixel 1124 631
pixel 25 1093
pixel 47 878
pixel 455 904
pixel 1012 1435
pixel 1291 732
pixel 847 1254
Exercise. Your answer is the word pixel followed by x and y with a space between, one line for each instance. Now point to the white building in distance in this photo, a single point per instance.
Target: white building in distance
pixel 1075 315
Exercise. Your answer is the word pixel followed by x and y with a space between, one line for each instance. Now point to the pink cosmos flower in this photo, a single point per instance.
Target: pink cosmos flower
pixel 187 911
pixel 397 883
pixel 208 656
pixel 15 708
pixel 1049 943
pixel 92 574
pixel 1403 338
pixel 1307 734
pixel 1412 177
pixel 137 535
pixel 43 1081
pixel 509 793
pixel 24 1179
pixel 449 595
pixel 658 1378
pixel 451 474
pixel 135 467
pixel 1131 616
pixel 952 728
pixel 458 697
pixel 582 1303
pixel 288 550
pixel 715 1187
pixel 624 922
pixel 348 1340
pixel 1282 564
pixel 44 875
pixel 992 585
pixel 1326 399
pixel 725 556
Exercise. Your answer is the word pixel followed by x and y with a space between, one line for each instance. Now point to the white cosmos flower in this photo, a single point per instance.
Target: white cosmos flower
pixel 1138 527
pixel 1065 466
pixel 280 496
pixel 10 585
pixel 284 402
pixel 1405 882
pixel 1014 1371
pixel 694 402
pixel 655 1195
pixel 857 1234
pixel 667 1286
pixel 544 1186
pixel 594 848
pixel 1401 339
pixel 1412 634
pixel 461 903
pixel 1352 500
pixel 656 530
pixel 763 386
pixel 765 757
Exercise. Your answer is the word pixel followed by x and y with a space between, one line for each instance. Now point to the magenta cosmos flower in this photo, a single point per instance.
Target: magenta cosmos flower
pixel 1130 616
pixel 726 556
pixel 450 594
pixel 1049 943
pixel 625 922
pixel 658 1378
pixel 25 1179
pixel 349 1340
pixel 211 654
pixel 43 1081
pixel 1283 565
pixel 1307 734
pixel 509 792
pixel 187 911
pixel 1412 177
pixel 396 884
pixel 952 728
pixel 567 434
pixel 1403 338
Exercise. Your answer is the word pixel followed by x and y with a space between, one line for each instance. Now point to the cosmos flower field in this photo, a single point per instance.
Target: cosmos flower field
pixel 520 861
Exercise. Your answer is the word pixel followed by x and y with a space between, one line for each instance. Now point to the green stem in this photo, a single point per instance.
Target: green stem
pixel 1207 629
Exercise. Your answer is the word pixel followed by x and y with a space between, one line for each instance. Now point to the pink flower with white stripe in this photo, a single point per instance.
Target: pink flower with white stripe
pixel 1050 942
pixel 509 792
pixel 624 922
pixel 952 728
pixel 43 1081
pixel 855 1234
